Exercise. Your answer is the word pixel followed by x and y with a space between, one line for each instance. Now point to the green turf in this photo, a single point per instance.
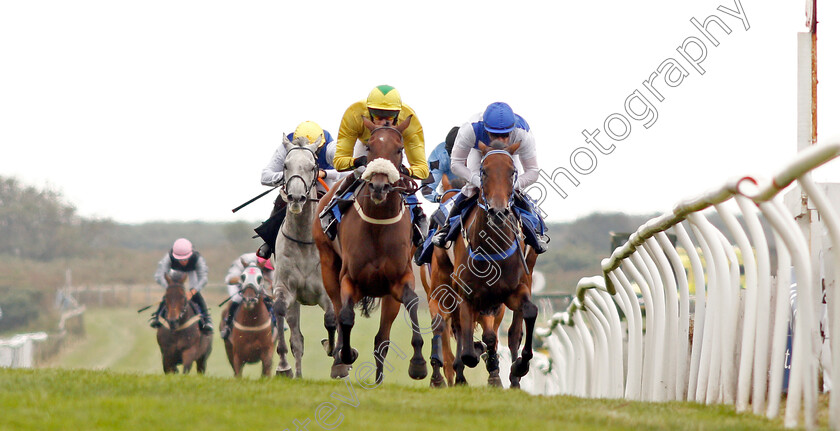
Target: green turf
pixel 57 399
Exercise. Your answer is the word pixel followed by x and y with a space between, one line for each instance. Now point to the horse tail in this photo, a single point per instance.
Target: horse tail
pixel 368 304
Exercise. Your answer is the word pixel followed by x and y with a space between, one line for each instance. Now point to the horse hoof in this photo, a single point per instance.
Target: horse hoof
pixel 494 381
pixel 437 382
pixel 480 348
pixel 519 368
pixel 285 373
pixel 349 359
pixel 339 371
pixel 326 344
pixel 470 360
pixel 417 370
pixel 514 382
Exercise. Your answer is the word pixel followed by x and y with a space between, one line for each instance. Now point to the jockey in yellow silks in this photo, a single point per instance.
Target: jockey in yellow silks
pixel 384 107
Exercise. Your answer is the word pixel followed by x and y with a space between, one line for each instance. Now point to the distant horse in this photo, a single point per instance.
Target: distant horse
pixel 442 300
pixel 179 338
pixel 371 257
pixel 497 269
pixel 250 338
pixel 298 274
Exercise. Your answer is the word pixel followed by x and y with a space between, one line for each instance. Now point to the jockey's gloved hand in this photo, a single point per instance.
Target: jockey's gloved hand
pixel 359 161
pixel 404 170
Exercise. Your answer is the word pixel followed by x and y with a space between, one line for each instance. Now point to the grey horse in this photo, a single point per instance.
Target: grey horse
pixel 297 274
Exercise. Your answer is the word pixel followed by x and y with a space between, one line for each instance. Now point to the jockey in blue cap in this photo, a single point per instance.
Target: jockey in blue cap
pixel 497 122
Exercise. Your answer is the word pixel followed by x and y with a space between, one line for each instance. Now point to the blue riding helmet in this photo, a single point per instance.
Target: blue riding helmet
pixel 499 118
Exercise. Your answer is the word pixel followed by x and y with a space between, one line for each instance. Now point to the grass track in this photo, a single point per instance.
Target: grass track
pixel 112 380
pixel 56 399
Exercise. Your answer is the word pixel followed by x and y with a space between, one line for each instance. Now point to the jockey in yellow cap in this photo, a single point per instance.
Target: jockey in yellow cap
pixel 384 107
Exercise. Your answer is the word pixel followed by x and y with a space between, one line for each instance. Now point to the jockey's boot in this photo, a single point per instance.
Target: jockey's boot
pixel 206 323
pixel 329 224
pixel 421 226
pixel 153 322
pixel 269 305
pixel 542 244
pixel 268 229
pixel 229 320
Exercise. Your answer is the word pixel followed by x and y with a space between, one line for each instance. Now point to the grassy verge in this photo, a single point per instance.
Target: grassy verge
pixel 56 399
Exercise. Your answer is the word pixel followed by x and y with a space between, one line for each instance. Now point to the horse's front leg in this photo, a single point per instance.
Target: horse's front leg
pixel 279 307
pixel 514 341
pixel 329 324
pixel 417 365
pixel 346 320
pixel 389 310
pixel 296 337
pixel 522 302
pixel 490 339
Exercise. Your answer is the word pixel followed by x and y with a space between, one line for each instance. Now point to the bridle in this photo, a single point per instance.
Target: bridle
pixel 482 203
pixel 307 185
pixel 515 245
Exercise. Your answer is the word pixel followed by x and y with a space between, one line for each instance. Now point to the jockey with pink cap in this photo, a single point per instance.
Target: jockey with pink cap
pixel 232 280
pixel 182 257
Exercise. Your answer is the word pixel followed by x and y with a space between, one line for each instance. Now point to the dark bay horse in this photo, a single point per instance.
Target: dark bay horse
pixel 371 257
pixel 180 340
pixel 443 300
pixel 250 339
pixel 493 268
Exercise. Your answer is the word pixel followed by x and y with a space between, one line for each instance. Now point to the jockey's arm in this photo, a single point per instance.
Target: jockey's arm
pixel 272 174
pixel 531 174
pixel 163 267
pixel 415 151
pixel 201 271
pixel 331 175
pixel 528 157
pixel 458 161
pixel 348 133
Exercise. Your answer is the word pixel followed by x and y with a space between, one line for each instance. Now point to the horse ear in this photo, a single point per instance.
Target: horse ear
pixel 313 147
pixel 244 262
pixel 368 123
pixel 404 125
pixel 512 148
pixel 444 181
pixel 286 142
pixel 483 147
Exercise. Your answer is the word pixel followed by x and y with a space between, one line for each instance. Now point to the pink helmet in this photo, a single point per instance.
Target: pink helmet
pixel 182 249
pixel 265 263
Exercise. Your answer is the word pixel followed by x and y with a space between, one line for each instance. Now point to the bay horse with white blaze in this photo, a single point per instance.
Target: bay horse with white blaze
pixel 493 267
pixel 371 257
pixel 250 338
pixel 180 340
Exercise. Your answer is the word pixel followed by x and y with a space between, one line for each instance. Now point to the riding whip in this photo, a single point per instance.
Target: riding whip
pixel 145 308
pixel 255 198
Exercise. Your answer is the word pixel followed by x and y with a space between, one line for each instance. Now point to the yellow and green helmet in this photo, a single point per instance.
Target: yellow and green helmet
pixel 384 98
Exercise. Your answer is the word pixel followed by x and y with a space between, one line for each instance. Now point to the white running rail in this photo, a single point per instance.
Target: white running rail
pixel 731 348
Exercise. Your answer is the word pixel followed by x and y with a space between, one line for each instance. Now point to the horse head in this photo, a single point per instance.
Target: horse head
pixel 300 172
pixel 250 286
pixel 175 297
pixel 498 175
pixel 385 151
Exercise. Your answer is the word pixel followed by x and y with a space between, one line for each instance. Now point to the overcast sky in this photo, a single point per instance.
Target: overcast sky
pixel 169 110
